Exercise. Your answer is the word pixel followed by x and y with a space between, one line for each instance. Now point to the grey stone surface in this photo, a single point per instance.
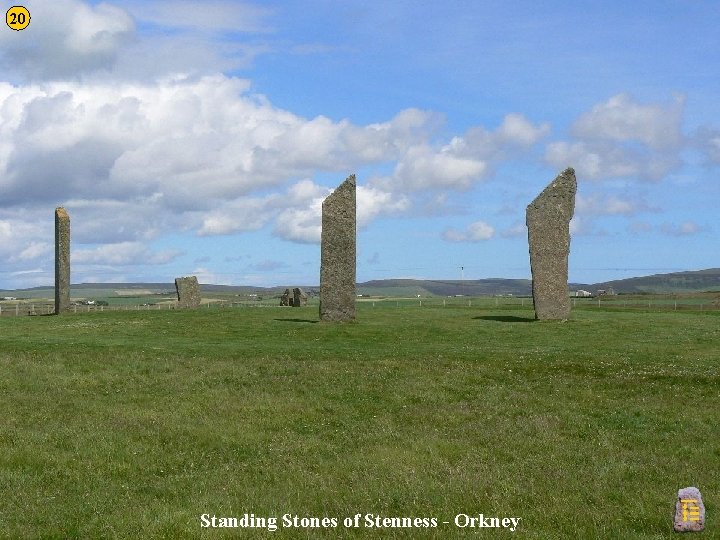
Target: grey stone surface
pixel 285 299
pixel 689 511
pixel 337 254
pixel 299 297
pixel 188 292
pixel 62 261
pixel 548 222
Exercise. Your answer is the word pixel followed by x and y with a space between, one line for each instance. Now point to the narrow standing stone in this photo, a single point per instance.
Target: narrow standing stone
pixel 337 254
pixel 548 222
pixel 689 511
pixel 62 261
pixel 188 292
pixel 299 297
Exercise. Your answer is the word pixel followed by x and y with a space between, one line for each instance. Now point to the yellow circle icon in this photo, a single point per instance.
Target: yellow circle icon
pixel 17 18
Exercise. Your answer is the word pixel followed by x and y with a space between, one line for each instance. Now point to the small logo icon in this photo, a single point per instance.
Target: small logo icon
pixel 690 509
pixel 17 18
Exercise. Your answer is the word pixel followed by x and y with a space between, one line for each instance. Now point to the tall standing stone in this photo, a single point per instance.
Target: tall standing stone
pixel 62 261
pixel 188 292
pixel 337 254
pixel 548 222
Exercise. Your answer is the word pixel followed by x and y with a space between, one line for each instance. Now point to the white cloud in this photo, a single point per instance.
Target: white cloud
pixel 515 231
pixel 623 139
pixel 607 205
pixel 124 253
pixel 639 227
pixel 475 232
pixel 66 38
pixel 205 15
pixel 300 224
pixel 519 131
pixel 423 168
pixel 373 202
pixel 708 141
pixel 621 119
pixel 23 241
pixel 686 228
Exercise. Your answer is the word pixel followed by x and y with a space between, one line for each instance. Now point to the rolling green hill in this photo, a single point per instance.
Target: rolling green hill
pixel 676 282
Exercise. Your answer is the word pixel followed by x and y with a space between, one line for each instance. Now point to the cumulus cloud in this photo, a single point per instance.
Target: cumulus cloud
pixel 464 160
pixel 475 232
pixel 621 119
pixel 205 15
pixel 66 38
pixel 621 138
pixel 124 253
pixel 686 228
pixel 301 221
pixel 515 231
pixel 598 204
pixel 708 141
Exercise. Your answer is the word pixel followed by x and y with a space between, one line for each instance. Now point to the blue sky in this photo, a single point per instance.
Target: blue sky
pixel 200 137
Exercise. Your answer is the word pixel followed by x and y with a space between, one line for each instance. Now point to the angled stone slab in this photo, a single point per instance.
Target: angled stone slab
pixel 337 254
pixel 548 222
pixel 62 261
pixel 188 292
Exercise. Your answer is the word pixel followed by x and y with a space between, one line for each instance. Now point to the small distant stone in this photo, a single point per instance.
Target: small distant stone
pixel 299 297
pixel 689 511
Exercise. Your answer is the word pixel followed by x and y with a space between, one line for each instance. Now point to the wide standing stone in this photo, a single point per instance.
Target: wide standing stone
pixel 548 222
pixel 188 292
pixel 337 254
pixel 689 511
pixel 62 261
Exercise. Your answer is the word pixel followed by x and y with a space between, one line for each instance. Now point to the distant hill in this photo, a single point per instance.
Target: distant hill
pixel 676 282
pixel 446 287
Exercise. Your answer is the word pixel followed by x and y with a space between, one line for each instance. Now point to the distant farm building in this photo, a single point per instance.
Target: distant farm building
pixel 582 294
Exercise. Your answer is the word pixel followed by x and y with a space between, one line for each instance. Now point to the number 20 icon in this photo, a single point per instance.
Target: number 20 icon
pixel 17 18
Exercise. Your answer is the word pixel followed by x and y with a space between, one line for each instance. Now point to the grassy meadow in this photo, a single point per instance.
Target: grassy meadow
pixel 132 424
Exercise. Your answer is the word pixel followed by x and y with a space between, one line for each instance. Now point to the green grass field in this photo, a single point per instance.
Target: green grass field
pixel 134 424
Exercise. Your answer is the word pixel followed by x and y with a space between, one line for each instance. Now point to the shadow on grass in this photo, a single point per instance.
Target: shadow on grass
pixel 296 320
pixel 505 318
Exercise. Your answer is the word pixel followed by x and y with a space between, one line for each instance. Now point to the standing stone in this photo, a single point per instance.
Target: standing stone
pixel 337 254
pixel 285 298
pixel 548 222
pixel 299 297
pixel 188 292
pixel 62 261
pixel 689 511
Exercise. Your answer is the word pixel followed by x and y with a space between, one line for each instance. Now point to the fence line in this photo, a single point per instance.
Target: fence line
pixel 660 304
